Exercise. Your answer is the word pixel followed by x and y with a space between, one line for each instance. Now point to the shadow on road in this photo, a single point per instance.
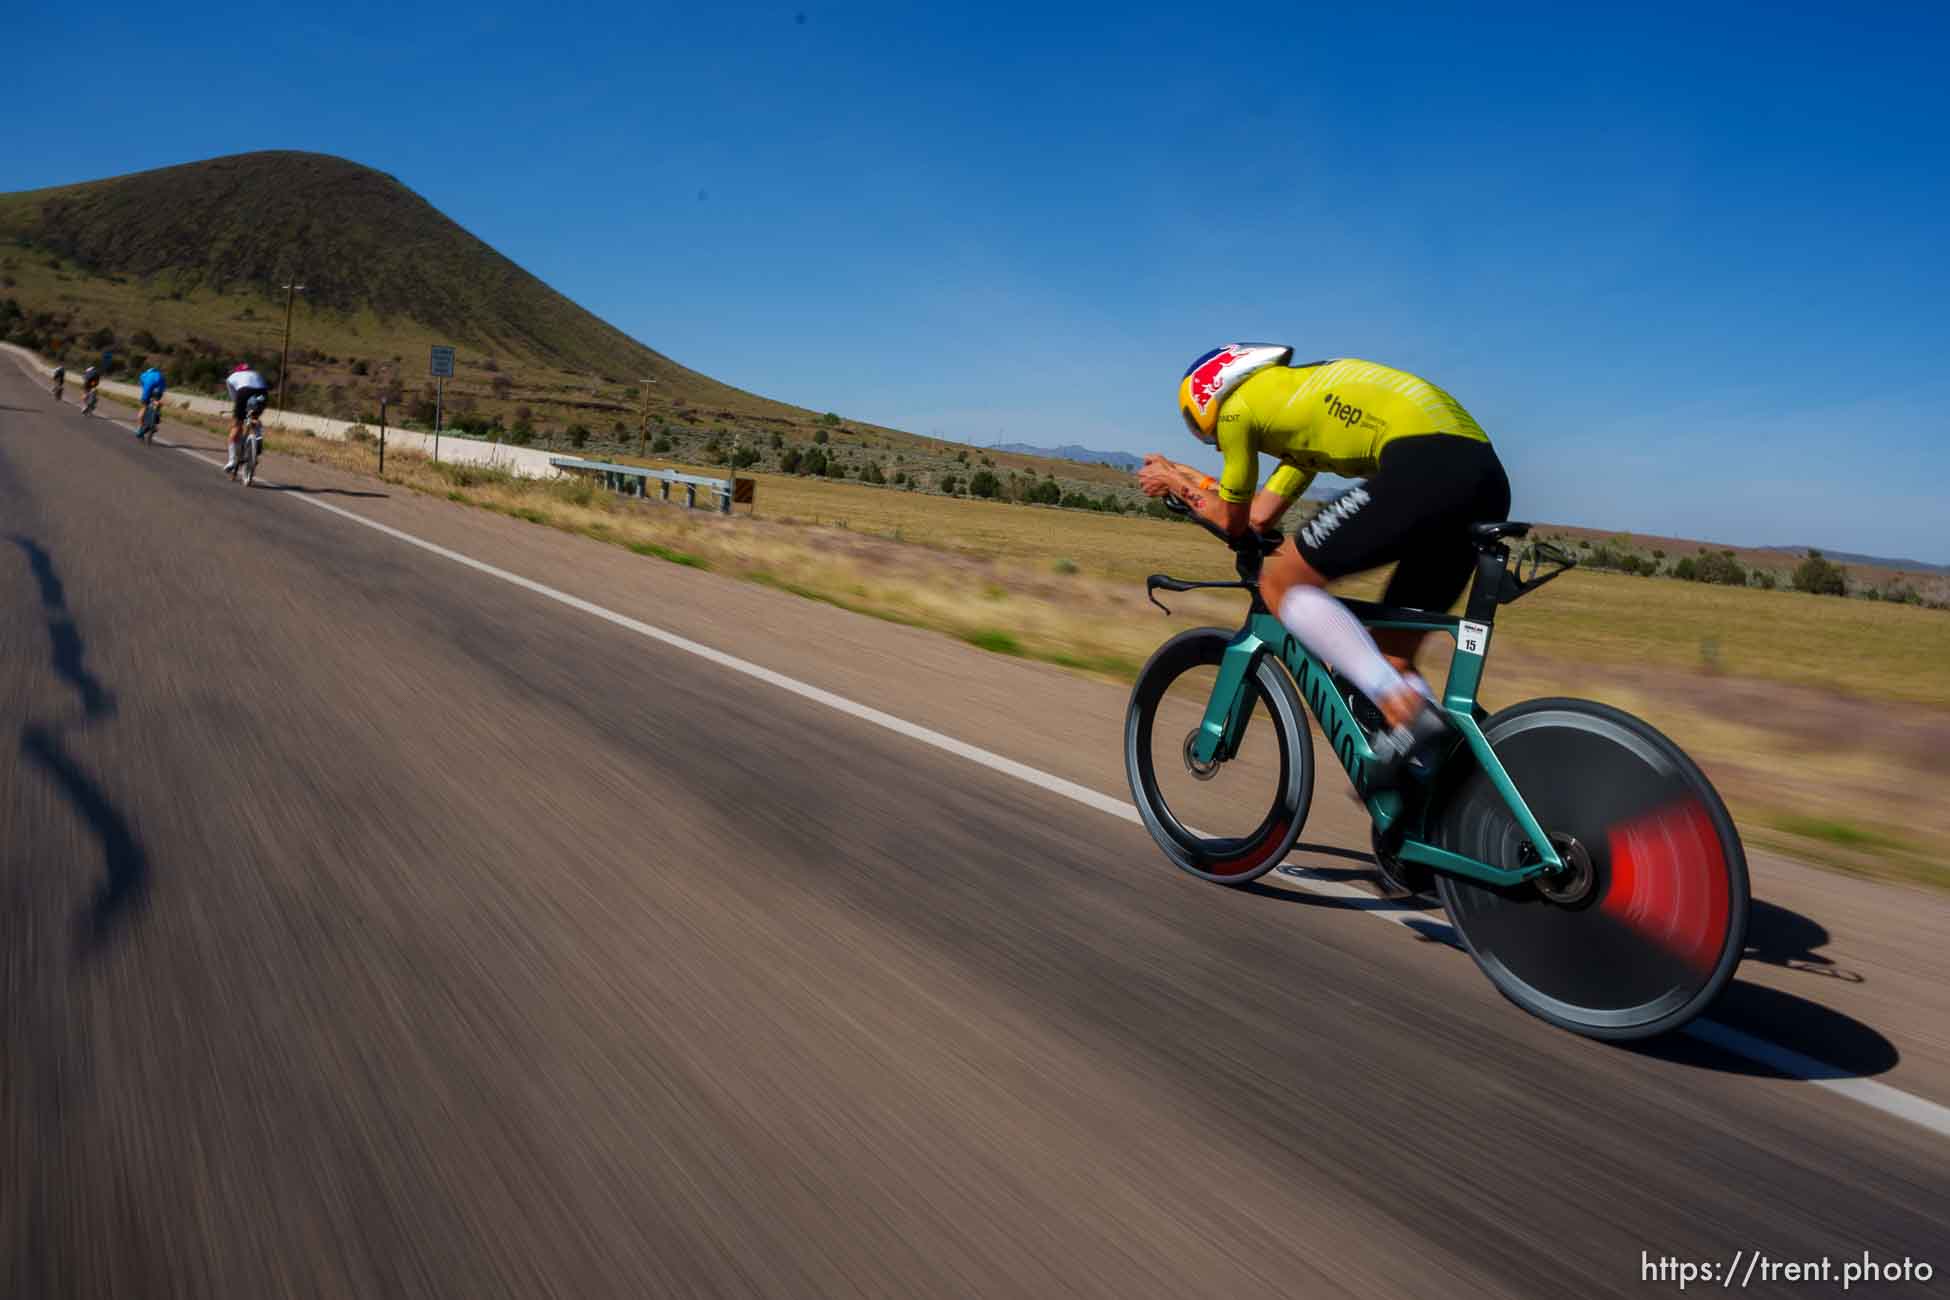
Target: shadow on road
pixel 1788 939
pixel 317 492
pixel 125 863
pixel 1302 870
pixel 1848 1047
pixel 1776 936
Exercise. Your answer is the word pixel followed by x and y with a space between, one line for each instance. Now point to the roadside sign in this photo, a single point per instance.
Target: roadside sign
pixel 441 364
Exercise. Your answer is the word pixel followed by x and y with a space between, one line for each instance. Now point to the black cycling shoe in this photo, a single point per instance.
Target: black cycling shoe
pixel 1409 751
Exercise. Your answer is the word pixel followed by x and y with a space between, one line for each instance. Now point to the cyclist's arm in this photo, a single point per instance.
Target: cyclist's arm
pixel 1280 492
pixel 1267 508
pixel 1233 508
pixel 1195 488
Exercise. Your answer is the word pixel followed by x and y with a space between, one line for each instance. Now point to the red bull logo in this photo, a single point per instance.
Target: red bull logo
pixel 1208 372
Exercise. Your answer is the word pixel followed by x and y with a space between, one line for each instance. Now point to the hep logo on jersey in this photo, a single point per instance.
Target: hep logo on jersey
pixel 1339 410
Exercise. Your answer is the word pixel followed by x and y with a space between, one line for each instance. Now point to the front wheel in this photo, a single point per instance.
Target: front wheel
pixel 1235 820
pixel 1645 928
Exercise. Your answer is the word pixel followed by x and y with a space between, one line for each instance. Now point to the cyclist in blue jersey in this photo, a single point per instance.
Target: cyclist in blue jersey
pixel 153 388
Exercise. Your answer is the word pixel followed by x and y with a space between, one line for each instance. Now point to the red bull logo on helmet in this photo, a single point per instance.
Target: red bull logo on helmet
pixel 1208 373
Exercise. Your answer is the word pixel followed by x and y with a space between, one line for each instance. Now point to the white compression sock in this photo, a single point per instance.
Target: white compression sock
pixel 1325 627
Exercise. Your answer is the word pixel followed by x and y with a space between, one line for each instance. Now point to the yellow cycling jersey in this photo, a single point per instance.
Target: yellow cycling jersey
pixel 1331 415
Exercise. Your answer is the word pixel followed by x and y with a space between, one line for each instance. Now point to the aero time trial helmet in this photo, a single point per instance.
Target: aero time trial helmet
pixel 1210 380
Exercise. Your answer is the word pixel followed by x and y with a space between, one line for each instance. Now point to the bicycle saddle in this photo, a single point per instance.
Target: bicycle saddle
pixel 1497 530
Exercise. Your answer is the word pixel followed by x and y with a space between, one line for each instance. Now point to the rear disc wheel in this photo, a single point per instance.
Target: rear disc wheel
pixel 1645 926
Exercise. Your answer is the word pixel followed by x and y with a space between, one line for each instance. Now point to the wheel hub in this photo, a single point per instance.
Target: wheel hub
pixel 1575 885
pixel 1203 771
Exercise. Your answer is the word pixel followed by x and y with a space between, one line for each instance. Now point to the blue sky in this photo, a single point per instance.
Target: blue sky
pixel 1687 264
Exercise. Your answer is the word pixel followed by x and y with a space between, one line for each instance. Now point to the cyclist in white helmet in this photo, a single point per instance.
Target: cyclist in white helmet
pixel 244 383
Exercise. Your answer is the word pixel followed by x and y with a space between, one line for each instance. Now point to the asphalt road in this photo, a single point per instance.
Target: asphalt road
pixel 374 926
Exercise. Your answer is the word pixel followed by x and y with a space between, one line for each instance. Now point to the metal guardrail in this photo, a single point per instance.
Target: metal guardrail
pixel 635 480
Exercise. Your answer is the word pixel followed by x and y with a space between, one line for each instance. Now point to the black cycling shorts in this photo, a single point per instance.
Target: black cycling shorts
pixel 242 399
pixel 1414 510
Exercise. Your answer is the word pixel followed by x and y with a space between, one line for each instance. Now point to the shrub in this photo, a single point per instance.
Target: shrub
pixel 501 386
pixel 814 463
pixel 950 484
pixel 789 460
pixel 1720 567
pixel 1765 579
pixel 743 457
pixel 358 433
pixel 871 473
pixel 820 437
pixel 901 479
pixel 1065 567
pixel 578 436
pixel 829 419
pixel 1817 576
pixel 661 444
pixel 984 484
pixel 778 440
pixel 360 367
pixel 521 435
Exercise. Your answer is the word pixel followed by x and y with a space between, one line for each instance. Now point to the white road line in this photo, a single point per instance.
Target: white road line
pixel 1891 1101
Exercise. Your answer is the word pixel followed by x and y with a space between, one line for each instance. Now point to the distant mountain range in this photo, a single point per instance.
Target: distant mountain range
pixel 1123 460
pixel 1872 561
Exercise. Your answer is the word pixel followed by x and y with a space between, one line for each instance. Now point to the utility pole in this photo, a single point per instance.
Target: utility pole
pixel 643 425
pixel 292 291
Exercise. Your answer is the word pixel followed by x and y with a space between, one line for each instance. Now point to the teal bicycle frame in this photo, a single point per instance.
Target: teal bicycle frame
pixel 1224 725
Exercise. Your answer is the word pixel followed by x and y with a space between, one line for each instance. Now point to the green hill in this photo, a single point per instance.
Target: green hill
pixel 185 265
pixel 365 246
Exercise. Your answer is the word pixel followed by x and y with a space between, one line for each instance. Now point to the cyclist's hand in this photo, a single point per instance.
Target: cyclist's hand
pixel 1158 476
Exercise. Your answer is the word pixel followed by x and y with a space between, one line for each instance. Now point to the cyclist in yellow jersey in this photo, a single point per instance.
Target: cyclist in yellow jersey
pixel 1429 472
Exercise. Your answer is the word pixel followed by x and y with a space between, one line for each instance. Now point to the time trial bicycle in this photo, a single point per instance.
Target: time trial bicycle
pixel 1585 861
